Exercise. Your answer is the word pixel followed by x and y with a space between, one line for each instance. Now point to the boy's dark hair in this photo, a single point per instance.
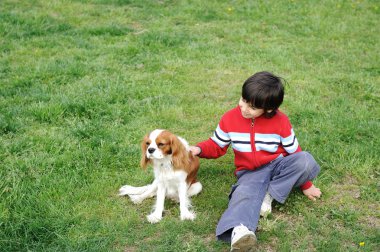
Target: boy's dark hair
pixel 264 90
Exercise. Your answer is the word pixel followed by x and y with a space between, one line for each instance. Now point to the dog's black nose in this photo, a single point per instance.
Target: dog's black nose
pixel 151 150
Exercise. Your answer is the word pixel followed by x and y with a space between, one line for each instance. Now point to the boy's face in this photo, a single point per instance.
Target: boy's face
pixel 248 111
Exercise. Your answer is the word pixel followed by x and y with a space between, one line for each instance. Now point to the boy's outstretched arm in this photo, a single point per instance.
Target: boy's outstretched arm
pixel 312 193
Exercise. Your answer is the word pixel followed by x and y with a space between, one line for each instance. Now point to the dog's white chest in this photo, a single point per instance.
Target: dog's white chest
pixel 169 178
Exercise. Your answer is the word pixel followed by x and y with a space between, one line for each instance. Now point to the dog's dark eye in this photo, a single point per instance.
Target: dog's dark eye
pixel 160 144
pixel 147 143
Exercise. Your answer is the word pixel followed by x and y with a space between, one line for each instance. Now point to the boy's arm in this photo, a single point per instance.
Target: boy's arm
pixel 216 146
pixel 210 149
pixel 291 145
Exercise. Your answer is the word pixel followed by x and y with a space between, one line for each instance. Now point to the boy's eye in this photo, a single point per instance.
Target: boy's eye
pixel 245 101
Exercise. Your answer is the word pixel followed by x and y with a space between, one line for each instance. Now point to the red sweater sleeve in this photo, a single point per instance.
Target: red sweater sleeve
pixel 290 144
pixel 209 149
pixel 307 185
pixel 288 137
pixel 217 145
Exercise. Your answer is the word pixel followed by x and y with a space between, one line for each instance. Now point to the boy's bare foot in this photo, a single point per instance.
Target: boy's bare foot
pixel 312 193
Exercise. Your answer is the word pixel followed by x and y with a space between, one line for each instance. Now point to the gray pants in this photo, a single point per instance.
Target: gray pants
pixel 278 177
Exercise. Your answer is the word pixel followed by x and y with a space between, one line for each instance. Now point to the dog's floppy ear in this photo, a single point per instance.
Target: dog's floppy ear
pixel 144 146
pixel 179 154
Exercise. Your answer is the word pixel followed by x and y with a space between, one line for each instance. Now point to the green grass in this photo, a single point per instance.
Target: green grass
pixel 81 82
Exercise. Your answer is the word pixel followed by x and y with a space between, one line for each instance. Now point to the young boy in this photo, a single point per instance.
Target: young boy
pixel 269 161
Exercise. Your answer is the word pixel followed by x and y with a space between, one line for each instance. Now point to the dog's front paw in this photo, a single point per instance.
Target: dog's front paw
pixel 187 215
pixel 154 217
pixel 136 199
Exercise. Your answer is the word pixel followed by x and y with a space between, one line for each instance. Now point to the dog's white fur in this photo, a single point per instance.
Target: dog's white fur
pixel 169 180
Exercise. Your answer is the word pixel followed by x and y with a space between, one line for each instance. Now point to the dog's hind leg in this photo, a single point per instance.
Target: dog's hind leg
pixel 194 189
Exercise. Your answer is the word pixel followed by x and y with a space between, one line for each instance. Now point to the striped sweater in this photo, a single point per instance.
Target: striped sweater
pixel 254 143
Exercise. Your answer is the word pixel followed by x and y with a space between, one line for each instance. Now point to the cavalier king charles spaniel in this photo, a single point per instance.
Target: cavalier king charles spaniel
pixel 175 170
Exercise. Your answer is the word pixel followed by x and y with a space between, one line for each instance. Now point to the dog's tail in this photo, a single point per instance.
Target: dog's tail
pixel 194 189
pixel 132 190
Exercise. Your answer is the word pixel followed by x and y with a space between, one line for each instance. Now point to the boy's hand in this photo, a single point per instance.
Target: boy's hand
pixel 195 150
pixel 312 193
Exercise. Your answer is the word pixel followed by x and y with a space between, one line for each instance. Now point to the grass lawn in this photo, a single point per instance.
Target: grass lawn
pixel 81 82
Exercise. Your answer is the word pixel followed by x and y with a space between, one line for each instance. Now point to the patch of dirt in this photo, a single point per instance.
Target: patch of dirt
pixel 349 188
pixel 371 221
pixel 268 247
pixel 346 195
pixel 130 249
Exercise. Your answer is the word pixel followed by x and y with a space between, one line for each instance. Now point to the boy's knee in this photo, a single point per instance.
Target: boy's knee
pixel 304 161
pixel 310 165
pixel 244 192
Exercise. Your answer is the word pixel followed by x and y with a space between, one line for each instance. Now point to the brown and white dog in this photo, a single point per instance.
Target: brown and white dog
pixel 175 170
